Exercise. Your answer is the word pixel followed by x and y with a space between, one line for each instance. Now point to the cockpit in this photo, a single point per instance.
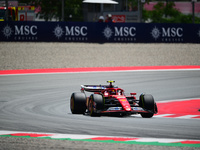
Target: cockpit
pixel 113 91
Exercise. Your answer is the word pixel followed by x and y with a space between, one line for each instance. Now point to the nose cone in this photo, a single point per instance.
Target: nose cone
pixel 125 104
pixel 127 108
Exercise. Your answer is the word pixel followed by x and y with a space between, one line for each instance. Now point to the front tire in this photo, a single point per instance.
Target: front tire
pixel 78 103
pixel 147 102
pixel 95 103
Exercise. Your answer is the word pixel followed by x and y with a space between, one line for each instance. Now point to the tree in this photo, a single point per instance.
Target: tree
pixel 53 9
pixel 73 8
pixel 166 13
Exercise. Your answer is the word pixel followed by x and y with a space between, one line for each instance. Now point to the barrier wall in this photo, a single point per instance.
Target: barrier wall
pixel 99 32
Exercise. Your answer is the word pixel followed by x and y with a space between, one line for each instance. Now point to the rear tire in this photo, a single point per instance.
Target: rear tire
pixel 147 102
pixel 78 103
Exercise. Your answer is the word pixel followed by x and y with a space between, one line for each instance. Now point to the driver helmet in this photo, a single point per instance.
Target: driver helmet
pixel 112 92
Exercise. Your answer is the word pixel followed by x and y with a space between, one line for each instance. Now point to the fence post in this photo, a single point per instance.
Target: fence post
pixel 63 7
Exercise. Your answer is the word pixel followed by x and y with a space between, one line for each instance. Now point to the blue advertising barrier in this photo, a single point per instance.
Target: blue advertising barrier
pixel 99 32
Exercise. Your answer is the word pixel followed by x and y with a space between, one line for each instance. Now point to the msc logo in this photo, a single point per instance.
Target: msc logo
pixel 76 31
pixel 107 32
pixel 120 33
pixel 25 30
pixel 168 34
pixel 20 32
pixel 155 33
pixel 125 31
pixel 72 33
pixel 7 31
pixel 58 31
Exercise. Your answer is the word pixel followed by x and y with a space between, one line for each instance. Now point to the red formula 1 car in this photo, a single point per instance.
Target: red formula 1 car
pixel 111 100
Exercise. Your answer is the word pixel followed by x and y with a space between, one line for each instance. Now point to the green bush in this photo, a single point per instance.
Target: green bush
pixel 167 14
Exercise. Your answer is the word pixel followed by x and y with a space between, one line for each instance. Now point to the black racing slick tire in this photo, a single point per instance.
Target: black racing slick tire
pixel 147 102
pixel 96 103
pixel 78 103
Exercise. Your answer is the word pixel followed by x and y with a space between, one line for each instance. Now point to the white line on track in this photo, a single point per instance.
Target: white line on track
pixel 187 116
pixel 163 115
pixel 177 100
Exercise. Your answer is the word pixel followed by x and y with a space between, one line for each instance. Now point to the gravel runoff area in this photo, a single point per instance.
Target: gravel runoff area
pixel 15 55
pixel 71 55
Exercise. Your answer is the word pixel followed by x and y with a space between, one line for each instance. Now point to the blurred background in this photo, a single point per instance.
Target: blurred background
pixel 147 11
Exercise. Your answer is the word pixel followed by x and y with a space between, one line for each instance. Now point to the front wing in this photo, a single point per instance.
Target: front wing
pixel 134 110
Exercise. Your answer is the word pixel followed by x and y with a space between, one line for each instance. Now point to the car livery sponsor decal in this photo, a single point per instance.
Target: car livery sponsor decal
pixel 115 108
pixel 137 108
pixel 123 100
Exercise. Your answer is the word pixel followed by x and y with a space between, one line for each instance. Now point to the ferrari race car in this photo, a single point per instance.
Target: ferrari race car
pixel 111 100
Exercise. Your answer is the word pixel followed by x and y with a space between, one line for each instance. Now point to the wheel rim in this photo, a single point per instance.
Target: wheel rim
pixel 91 107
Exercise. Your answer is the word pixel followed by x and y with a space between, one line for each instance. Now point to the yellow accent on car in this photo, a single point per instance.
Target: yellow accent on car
pixel 110 81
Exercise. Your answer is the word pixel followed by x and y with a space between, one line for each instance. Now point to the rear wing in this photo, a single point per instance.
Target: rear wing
pixel 94 88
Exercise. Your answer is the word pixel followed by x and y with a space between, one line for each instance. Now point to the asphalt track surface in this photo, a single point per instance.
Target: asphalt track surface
pixel 40 103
